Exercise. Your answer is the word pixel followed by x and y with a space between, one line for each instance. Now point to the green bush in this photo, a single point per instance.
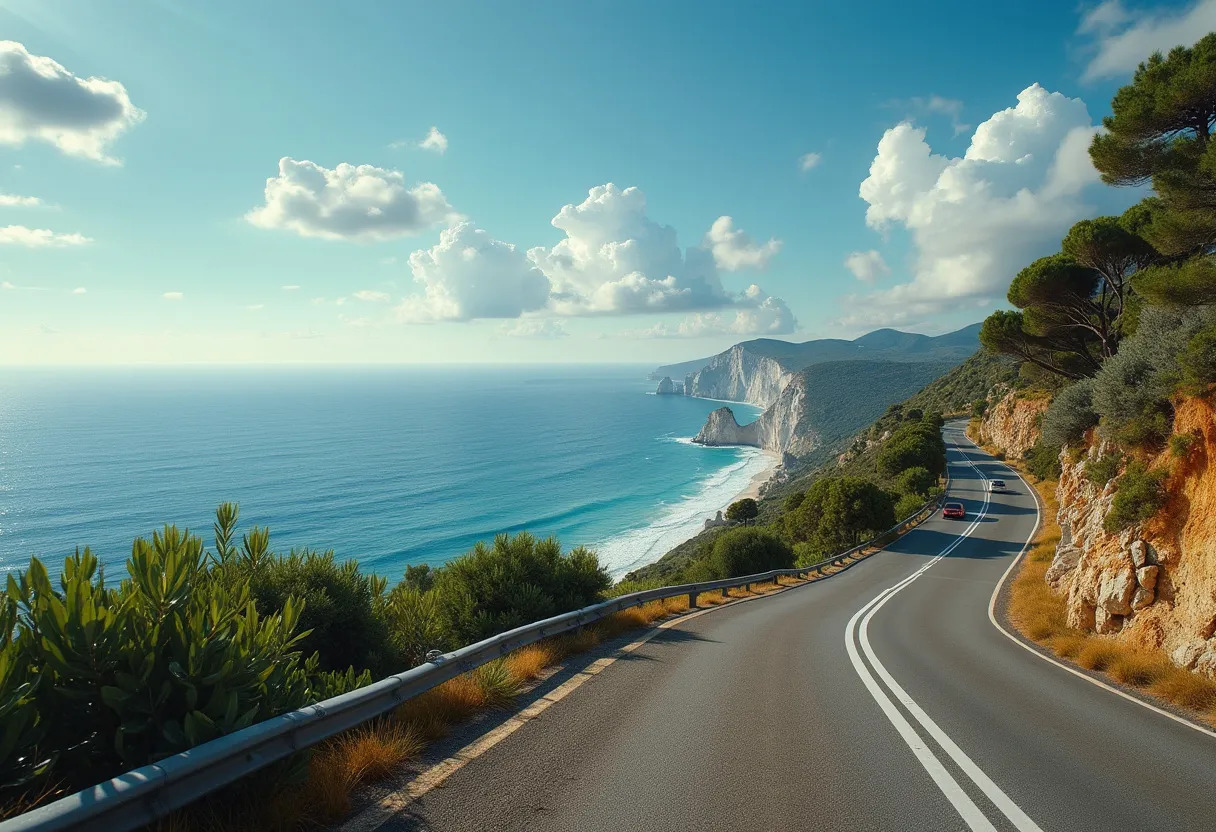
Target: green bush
pixel 1140 495
pixel 979 407
pixel 415 625
pixel 913 444
pixel 515 581
pixel 1071 414
pixel 175 655
pixel 742 510
pixel 805 554
pixel 341 613
pixel 1103 469
pixel 1043 460
pixel 840 512
pixel 747 551
pixel 1181 444
pixel 907 505
pixel 1198 362
pixel 916 482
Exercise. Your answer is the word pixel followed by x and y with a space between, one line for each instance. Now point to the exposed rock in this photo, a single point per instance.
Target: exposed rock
pixel 1081 616
pixel 688 384
pixel 1115 591
pixel 1141 553
pixel 1106 623
pixel 1062 564
pixel 1187 653
pixel 1146 576
pixel 666 387
pixel 740 375
pixel 722 429
pixel 1142 598
pixel 783 427
pixel 1012 423
pixel 1206 663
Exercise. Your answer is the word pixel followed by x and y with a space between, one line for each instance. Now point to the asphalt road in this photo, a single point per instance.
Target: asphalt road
pixel 881 699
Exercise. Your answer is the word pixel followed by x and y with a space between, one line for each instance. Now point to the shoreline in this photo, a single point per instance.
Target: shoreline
pixel 758 479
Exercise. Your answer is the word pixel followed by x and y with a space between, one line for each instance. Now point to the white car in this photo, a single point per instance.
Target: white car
pixel 996 485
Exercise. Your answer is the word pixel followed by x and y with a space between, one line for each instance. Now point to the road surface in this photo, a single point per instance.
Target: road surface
pixel 881 699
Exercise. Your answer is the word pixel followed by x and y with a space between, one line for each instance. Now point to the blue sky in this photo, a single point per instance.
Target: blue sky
pixel 935 168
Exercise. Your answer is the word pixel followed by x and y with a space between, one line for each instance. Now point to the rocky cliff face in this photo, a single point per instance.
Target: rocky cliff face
pixel 1155 584
pixel 1011 422
pixel 739 375
pixel 782 428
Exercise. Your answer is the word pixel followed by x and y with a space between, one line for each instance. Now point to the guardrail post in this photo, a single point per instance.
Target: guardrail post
pixel 692 600
pixel 725 592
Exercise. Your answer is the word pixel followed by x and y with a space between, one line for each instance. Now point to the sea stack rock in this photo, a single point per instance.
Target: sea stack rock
pixel 722 429
pixel 666 387
pixel 688 384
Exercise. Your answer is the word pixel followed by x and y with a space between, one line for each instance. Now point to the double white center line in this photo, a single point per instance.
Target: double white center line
pixel 857 634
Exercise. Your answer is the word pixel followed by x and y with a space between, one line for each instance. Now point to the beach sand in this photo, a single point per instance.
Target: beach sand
pixel 761 477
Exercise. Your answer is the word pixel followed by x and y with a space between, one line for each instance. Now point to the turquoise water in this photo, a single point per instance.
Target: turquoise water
pixel 391 466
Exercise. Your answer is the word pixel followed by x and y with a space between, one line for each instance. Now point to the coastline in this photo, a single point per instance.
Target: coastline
pixel 758 479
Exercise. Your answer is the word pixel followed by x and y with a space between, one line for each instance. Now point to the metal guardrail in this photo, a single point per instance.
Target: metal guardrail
pixel 141 796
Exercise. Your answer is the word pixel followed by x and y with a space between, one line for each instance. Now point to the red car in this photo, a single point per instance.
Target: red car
pixel 954 510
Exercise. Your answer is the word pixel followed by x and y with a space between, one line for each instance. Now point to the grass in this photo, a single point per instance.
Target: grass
pixel 1036 610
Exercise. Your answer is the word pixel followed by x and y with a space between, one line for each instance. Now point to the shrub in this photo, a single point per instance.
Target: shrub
pixel 1141 494
pixel 1043 461
pixel 1181 444
pixel 907 505
pixel 176 655
pixel 1103 469
pixel 1198 362
pixel 979 407
pixel 746 551
pixel 341 612
pixel 794 500
pixel 840 512
pixel 913 444
pixel 916 482
pixel 515 581
pixel 742 510
pixel 415 625
pixel 1071 414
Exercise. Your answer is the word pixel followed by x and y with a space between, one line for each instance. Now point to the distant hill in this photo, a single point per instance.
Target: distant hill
pixel 882 344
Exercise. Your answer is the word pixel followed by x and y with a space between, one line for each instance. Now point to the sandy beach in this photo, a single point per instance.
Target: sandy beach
pixel 761 477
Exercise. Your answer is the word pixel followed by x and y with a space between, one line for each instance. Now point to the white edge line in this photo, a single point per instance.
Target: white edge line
pixel 1036 652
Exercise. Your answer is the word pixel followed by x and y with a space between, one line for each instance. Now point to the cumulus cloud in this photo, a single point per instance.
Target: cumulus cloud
pixel 616 260
pixel 349 202
pixel 538 328
pixel 19 235
pixel 809 160
pixel 435 141
pixel 1122 38
pixel 40 100
pixel 765 315
pixel 734 250
pixel 867 266
pixel 976 219
pixel 15 201
pixel 173 295
pixel 372 296
pixel 468 274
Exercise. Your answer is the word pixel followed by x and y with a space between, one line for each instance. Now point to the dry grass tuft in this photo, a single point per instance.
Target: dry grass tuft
pixel 527 663
pixel 1139 667
pixel 1190 690
pixel 1098 653
pixel 360 756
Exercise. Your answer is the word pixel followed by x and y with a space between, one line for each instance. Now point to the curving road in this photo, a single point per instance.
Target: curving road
pixel 882 699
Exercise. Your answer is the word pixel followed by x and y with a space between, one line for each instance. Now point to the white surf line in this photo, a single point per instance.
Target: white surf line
pixel 1181 720
pixel 962 803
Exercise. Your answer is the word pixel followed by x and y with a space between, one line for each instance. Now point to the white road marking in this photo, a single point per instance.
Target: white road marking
pixel 1033 651
pixel 962 803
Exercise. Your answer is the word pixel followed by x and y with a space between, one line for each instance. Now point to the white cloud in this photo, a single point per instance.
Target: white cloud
pixel 19 235
pixel 41 100
pixel 809 160
pixel 867 266
pixel 468 274
pixel 1123 39
pixel 348 202
pixel 79 290
pixel 14 201
pixel 290 287
pixel 539 328
pixel 435 141
pixel 372 296
pixel 734 250
pixel 766 315
pixel 173 295
pixel 976 220
pixel 616 260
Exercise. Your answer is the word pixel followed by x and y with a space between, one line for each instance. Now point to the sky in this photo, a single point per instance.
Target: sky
pixel 408 182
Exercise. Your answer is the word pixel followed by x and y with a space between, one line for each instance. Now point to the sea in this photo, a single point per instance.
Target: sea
pixel 387 465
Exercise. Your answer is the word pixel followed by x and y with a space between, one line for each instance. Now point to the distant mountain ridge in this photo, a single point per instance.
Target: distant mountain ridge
pixel 881 344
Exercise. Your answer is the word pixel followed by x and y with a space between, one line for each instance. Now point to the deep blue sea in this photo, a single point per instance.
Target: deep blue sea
pixel 391 466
